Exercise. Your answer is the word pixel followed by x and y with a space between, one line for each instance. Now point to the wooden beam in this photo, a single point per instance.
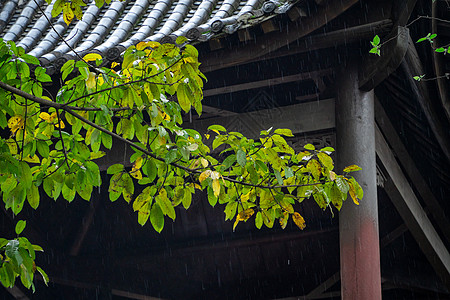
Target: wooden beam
pixel 275 40
pixel 331 39
pixel 411 171
pixel 439 65
pixel 374 69
pixel 217 111
pixel 412 66
pixel 17 293
pixel 401 11
pixel 412 213
pixel 265 83
pixel 300 118
pixel 220 245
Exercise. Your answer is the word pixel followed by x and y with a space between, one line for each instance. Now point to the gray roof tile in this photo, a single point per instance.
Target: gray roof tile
pixel 111 29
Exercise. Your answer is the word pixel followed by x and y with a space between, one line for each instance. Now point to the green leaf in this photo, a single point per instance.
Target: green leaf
pixel 44 275
pixel 278 176
pixel 12 251
pixel 241 157
pixel 114 169
pixel 150 169
pixel 217 128
pixel 7 275
pixel 20 226
pixel 157 218
pixel 258 220
pixel 376 40
pixel 230 210
pixel 228 162
pixel 342 184
pixel 184 96
pixel 285 132
pixel 171 156
pixel 30 59
pixel 326 160
pixel 310 147
pixel 211 198
pixel 165 204
pixel 288 172
pixel 33 196
pixel 187 199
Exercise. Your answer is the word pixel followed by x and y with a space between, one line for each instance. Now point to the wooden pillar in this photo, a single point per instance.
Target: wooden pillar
pixel 358 225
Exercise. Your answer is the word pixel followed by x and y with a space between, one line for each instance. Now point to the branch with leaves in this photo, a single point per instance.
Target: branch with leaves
pixel 53 142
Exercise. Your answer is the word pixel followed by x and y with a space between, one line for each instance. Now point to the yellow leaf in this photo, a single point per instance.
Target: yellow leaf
pixel 90 81
pixel 245 197
pixel 332 176
pixel 154 45
pixel 33 159
pixel 352 193
pixel 68 13
pixel 97 154
pixel 298 220
pixel 61 124
pixel 12 146
pixel 204 162
pixel 136 174
pixel 15 123
pixel 235 224
pixel 284 220
pixel 142 45
pixel 216 187
pixel 138 163
pixel 245 215
pixel 114 64
pixel 195 185
pixel 44 116
pixel 204 175
pixel 207 136
pixel 100 80
pixel 92 57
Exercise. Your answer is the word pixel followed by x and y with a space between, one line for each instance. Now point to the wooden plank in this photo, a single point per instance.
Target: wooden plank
pixel 411 170
pixel 412 213
pixel 300 118
pixel 275 40
pixel 266 83
pixel 374 69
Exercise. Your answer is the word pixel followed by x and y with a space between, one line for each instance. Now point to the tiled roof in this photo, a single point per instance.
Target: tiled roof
pixel 111 29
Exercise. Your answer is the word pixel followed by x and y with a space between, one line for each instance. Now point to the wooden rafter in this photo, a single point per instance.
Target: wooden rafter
pixel 275 40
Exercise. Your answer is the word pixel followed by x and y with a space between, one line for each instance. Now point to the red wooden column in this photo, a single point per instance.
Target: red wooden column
pixel 358 225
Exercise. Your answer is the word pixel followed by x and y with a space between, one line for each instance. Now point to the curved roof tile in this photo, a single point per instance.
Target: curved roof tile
pixel 110 30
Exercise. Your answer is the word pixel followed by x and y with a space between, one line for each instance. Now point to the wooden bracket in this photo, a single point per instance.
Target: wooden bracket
pixel 374 69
